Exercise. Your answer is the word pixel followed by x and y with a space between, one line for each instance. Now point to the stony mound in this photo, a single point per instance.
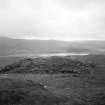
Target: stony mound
pixel 48 65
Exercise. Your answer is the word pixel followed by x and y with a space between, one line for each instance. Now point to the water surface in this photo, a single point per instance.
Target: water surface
pixel 63 54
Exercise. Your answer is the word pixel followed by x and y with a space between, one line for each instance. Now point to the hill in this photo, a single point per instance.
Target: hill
pixel 97 59
pixel 4 61
pixel 54 81
pixel 87 46
pixel 22 47
pixel 25 92
pixel 12 50
pixel 49 65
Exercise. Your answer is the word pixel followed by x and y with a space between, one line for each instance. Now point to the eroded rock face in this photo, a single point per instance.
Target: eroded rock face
pixel 21 92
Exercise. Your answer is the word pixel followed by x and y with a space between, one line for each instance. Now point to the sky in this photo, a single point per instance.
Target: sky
pixel 53 19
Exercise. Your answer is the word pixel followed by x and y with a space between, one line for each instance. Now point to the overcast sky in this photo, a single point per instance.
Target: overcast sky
pixel 53 19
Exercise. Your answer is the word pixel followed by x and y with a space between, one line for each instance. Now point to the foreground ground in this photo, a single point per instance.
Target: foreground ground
pixel 67 89
pixel 54 81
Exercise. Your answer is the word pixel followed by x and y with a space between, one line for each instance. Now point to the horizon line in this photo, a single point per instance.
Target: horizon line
pixel 46 39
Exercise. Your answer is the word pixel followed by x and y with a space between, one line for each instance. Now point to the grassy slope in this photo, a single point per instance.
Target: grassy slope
pixel 50 65
pixel 64 86
pixel 4 61
pixel 23 92
pixel 84 89
pixel 9 46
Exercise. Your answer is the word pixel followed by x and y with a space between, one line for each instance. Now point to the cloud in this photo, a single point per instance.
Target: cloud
pixel 55 19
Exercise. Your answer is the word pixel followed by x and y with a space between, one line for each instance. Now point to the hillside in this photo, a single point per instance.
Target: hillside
pixel 87 46
pixel 4 61
pixel 48 65
pixel 56 64
pixel 12 50
pixel 97 59
pixel 22 47
pixel 68 80
pixel 25 92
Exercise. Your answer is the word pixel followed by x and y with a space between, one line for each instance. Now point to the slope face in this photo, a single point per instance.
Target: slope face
pixel 48 65
pixel 22 92
pixel 21 47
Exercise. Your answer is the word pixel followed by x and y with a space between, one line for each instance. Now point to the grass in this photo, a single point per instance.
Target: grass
pixel 23 92
pixel 85 88
pixel 68 90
